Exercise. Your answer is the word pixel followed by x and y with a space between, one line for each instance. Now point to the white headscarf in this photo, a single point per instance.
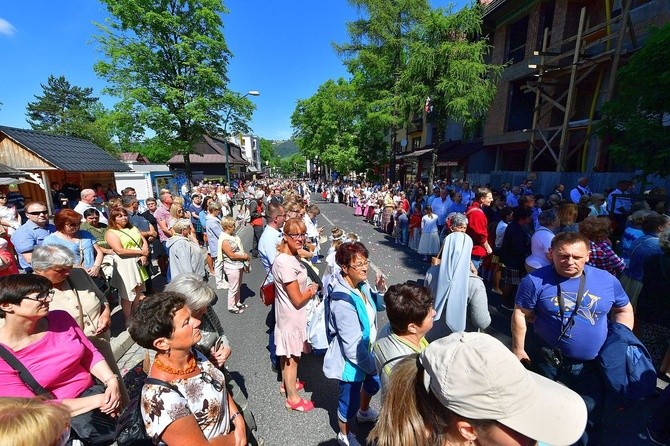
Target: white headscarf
pixel 452 283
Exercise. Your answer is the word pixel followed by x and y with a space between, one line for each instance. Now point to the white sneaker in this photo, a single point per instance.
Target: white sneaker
pixel 369 416
pixel 348 440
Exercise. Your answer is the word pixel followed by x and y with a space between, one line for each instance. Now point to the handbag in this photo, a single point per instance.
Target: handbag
pixel 130 429
pixel 268 290
pixel 93 426
pixel 316 327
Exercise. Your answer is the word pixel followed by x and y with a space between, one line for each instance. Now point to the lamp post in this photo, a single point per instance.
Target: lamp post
pixel 225 130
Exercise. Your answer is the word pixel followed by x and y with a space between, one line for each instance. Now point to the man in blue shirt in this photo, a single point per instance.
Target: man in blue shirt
pixel 568 303
pixel 275 215
pixel 440 207
pixel 32 233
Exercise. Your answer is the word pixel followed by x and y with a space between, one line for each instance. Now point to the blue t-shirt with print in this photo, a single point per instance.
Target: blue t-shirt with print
pixel 602 291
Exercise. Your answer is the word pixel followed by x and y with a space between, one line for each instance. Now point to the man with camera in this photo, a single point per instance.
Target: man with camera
pixel 568 303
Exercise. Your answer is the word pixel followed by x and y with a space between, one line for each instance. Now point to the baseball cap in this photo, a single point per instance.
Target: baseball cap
pixel 477 377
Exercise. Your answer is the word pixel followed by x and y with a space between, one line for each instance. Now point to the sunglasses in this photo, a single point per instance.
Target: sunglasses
pixel 43 297
pixel 297 236
pixel 38 213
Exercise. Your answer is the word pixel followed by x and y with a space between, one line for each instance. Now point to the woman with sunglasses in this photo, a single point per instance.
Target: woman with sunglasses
pixel 193 405
pixel 353 322
pixel 53 348
pixel 294 290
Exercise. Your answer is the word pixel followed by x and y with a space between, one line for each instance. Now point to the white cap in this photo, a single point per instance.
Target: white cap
pixel 477 377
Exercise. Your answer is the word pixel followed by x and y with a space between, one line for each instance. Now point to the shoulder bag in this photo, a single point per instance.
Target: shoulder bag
pixel 268 290
pixel 130 429
pixel 92 427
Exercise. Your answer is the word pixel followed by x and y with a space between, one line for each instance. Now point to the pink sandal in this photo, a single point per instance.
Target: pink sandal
pixel 299 385
pixel 302 405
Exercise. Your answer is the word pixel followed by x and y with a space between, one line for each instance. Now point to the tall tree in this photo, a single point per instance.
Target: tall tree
pixel 377 54
pixel 447 63
pixel 325 126
pixel 66 109
pixel 637 120
pixel 167 60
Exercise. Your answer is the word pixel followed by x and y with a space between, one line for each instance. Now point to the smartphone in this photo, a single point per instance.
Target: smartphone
pixel 220 342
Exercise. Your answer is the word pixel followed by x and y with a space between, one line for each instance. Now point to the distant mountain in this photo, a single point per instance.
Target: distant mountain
pixel 285 149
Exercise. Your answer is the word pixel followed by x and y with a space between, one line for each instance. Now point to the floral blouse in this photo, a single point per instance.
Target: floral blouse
pixel 205 397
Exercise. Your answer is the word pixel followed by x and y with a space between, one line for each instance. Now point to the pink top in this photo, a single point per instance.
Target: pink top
pixel 162 214
pixel 60 361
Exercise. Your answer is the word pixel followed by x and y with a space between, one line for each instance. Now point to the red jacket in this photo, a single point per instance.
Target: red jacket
pixel 477 228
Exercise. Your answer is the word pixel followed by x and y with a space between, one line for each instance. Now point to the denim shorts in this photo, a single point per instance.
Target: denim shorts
pixel 349 400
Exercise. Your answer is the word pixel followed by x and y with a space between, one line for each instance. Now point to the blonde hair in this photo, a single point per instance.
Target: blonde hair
pixel 174 210
pixel 291 225
pixel 178 200
pixel 227 222
pixel 31 421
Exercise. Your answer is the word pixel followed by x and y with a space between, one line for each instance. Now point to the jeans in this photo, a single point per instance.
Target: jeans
pixel 583 378
pixel 349 400
pixel 271 321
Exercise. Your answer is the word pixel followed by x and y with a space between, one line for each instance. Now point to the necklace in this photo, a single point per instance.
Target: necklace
pixel 190 367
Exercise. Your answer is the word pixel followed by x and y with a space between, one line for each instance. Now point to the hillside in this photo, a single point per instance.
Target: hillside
pixel 285 149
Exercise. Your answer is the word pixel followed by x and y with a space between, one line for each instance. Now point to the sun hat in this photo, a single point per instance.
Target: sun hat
pixel 477 377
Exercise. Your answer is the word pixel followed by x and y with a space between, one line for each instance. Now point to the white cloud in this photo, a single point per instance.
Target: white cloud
pixel 6 28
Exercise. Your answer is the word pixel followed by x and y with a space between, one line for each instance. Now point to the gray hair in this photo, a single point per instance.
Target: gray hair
pixel 198 293
pixel 457 219
pixel 181 224
pixel 213 206
pixel 86 192
pixel 49 256
pixel 546 218
pixel 128 201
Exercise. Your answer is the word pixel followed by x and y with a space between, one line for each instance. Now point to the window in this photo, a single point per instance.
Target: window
pixel 516 40
pixel 416 142
pixel 520 107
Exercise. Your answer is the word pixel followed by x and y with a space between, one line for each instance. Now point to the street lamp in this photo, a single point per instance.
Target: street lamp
pixel 225 131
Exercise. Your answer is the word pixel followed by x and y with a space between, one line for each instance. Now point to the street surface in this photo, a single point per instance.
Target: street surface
pixel 250 365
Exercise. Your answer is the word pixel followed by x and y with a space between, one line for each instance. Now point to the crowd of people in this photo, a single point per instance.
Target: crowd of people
pixel 561 262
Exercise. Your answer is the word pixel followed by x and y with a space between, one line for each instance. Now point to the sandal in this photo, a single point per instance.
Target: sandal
pixel 236 310
pixel 241 305
pixel 299 385
pixel 302 405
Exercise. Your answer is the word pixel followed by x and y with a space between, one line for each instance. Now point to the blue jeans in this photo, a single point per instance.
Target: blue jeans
pixel 585 379
pixel 349 400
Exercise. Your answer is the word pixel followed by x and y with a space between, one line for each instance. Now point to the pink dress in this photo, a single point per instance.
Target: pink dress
pixel 291 328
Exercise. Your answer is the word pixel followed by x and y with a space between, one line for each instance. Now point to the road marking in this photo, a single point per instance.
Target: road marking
pixel 328 220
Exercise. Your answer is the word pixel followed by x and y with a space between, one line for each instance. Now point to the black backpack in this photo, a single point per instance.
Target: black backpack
pixel 130 430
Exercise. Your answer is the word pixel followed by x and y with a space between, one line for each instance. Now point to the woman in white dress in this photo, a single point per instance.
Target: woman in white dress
pixel 429 244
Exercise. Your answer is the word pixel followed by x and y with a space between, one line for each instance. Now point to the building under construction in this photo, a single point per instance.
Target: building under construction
pixel 562 58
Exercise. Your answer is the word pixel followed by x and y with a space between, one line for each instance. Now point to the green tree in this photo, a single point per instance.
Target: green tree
pixel 325 126
pixel 167 60
pixel 637 120
pixel 66 109
pixel 268 155
pixel 447 63
pixel 377 56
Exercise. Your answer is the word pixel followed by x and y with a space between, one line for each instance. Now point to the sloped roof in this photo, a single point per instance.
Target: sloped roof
pixel 7 171
pixel 134 157
pixel 65 152
pixel 212 150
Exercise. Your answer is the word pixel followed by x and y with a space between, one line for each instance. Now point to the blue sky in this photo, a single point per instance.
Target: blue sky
pixel 281 48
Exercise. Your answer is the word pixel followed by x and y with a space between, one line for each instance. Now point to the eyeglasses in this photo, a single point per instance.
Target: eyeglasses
pixel 297 236
pixel 43 297
pixel 45 212
pixel 360 266
pixel 280 215
pixel 218 386
pixel 2 197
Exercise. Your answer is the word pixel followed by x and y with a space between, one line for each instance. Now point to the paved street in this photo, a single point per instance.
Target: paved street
pixel 251 367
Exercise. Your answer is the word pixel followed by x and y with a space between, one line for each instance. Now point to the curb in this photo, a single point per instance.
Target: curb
pixel 121 344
